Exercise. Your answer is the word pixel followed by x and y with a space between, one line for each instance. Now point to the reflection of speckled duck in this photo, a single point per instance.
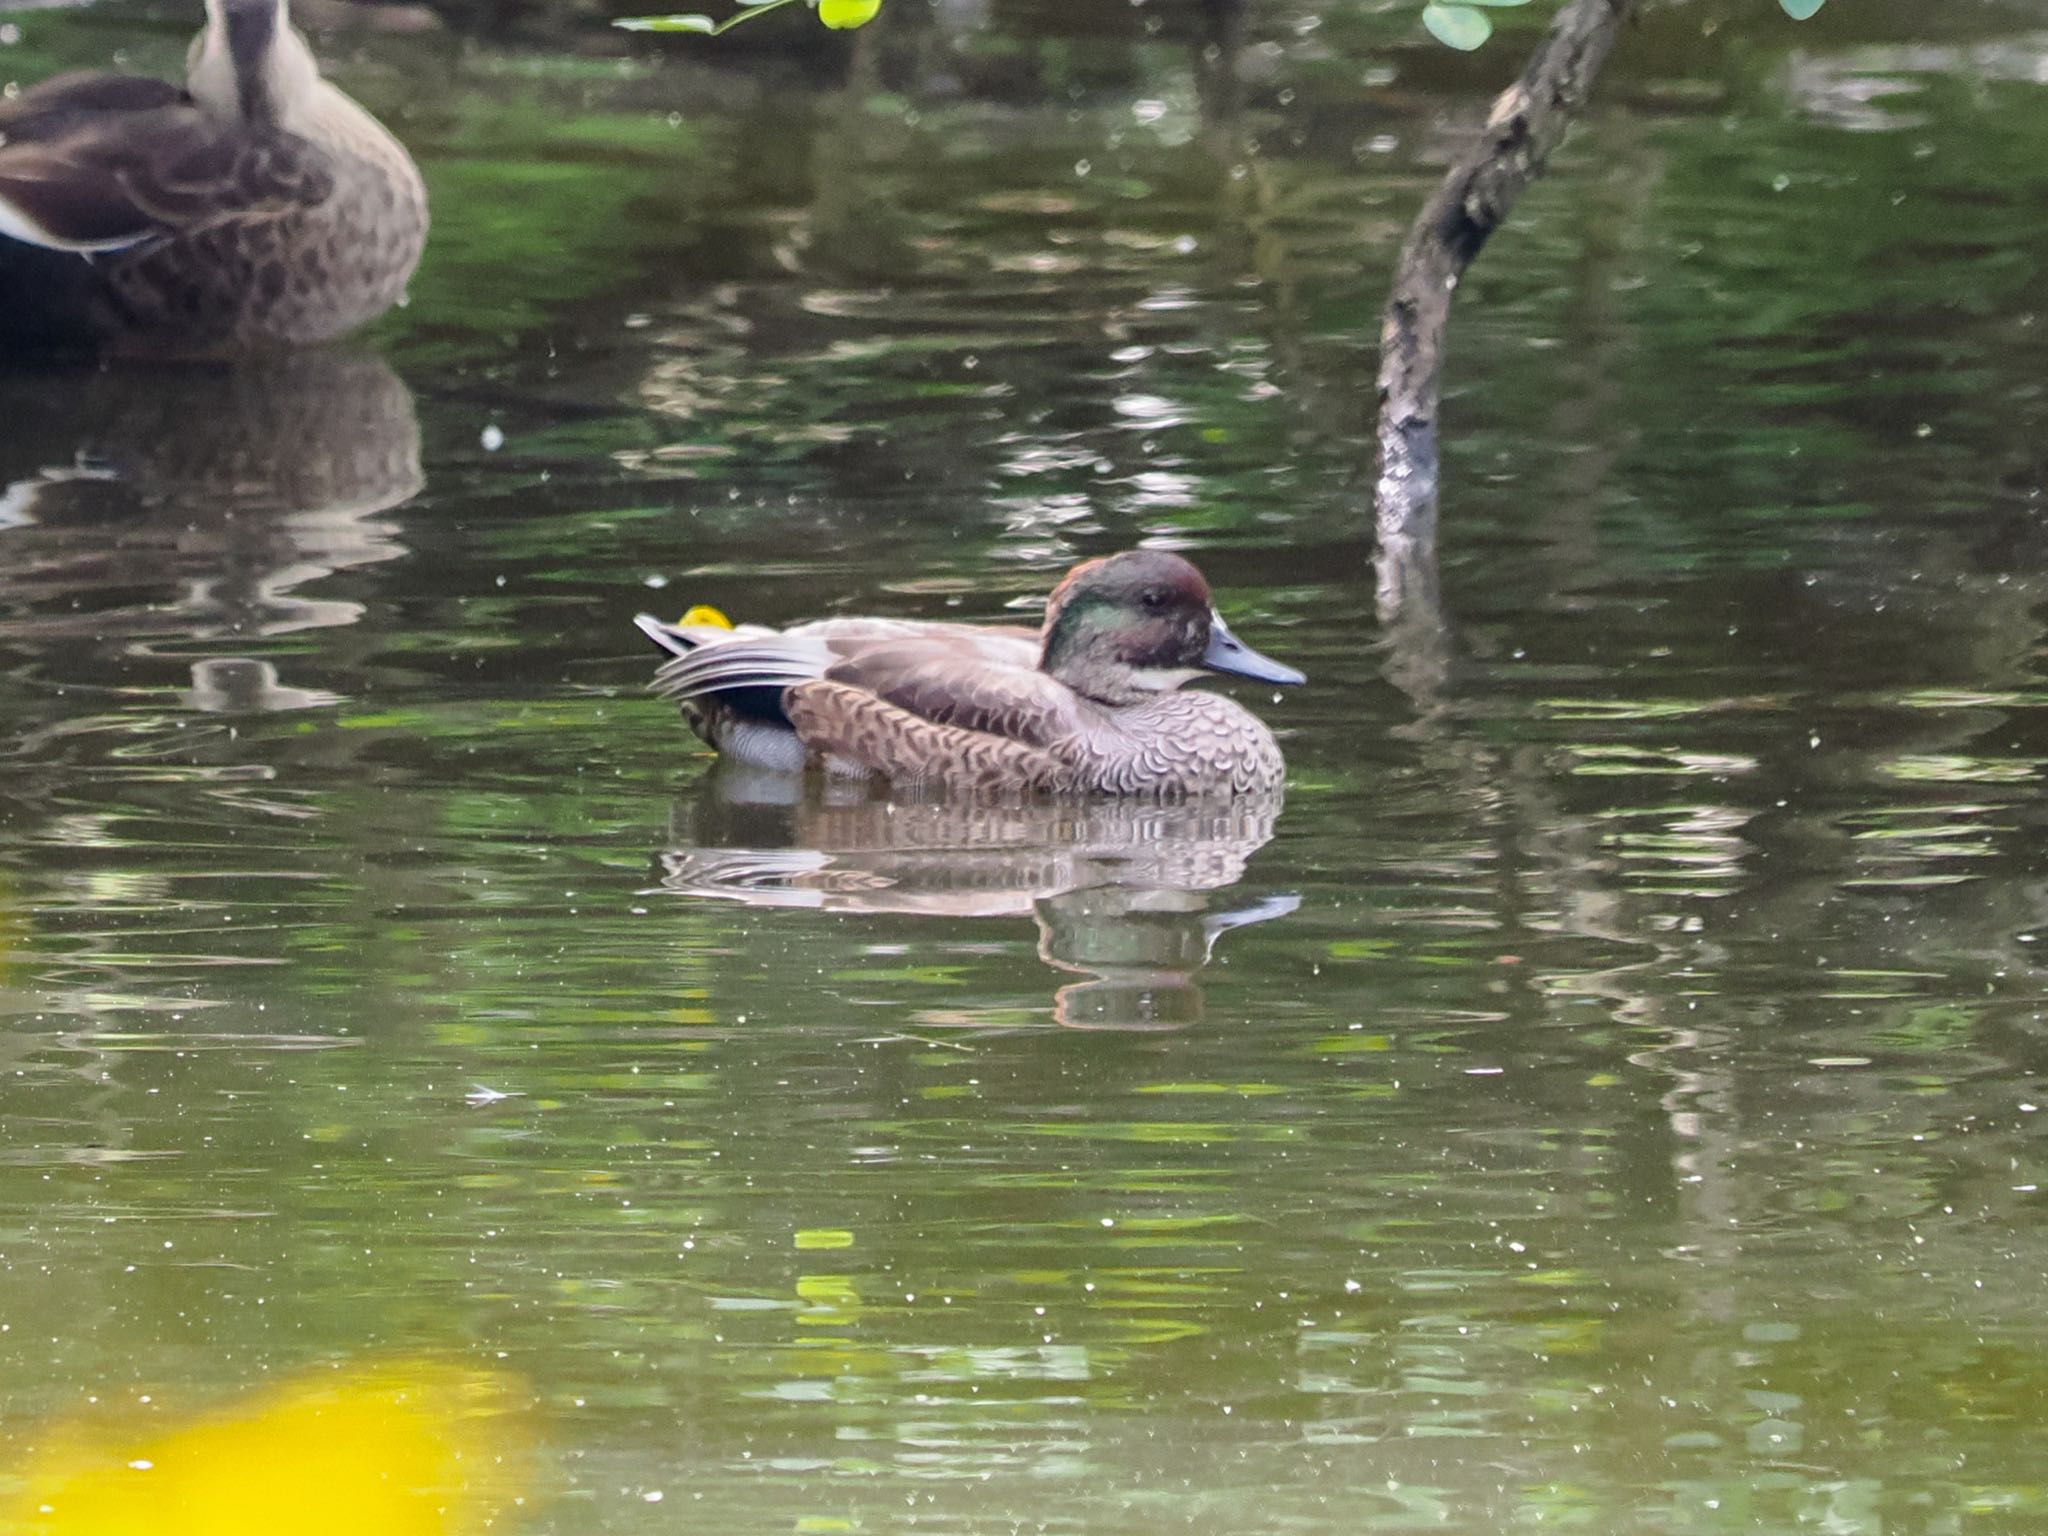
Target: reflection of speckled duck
pixel 1128 895
pixel 259 206
pixel 192 504
pixel 1090 704
pixel 958 860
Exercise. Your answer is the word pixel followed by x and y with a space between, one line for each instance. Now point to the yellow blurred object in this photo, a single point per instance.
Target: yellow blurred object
pixel 404 1448
pixel 705 614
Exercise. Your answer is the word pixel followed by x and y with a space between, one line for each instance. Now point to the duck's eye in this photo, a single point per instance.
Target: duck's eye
pixel 1153 600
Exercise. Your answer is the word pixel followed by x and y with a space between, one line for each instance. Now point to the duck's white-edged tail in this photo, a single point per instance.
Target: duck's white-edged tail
pixel 662 634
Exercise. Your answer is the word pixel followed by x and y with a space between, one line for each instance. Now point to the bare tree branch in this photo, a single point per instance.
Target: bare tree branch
pixel 1527 122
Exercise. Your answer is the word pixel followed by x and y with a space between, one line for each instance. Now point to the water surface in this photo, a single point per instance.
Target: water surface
pixel 1606 1094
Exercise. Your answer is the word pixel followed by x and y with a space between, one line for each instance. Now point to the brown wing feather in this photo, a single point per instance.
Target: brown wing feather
pixel 55 205
pixel 837 720
pixel 935 681
pixel 115 178
pixel 57 104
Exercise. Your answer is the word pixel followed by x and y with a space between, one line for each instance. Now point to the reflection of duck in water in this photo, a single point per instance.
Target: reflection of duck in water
pixel 258 206
pixel 1122 892
pixel 1139 950
pixel 1092 703
pixel 189 503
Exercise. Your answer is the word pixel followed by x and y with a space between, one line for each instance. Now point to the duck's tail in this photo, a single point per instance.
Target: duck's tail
pixel 687 633
pixel 713 664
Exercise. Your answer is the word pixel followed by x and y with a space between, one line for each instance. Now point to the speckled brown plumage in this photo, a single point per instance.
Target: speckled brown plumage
pixel 1092 704
pixel 260 206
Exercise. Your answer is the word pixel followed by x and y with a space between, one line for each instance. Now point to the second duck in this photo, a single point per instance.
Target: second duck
pixel 1091 703
pixel 257 207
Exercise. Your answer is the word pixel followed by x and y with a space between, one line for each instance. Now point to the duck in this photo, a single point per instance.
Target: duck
pixel 1090 703
pixel 255 207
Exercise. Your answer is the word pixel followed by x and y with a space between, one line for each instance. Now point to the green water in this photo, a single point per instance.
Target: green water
pixel 1608 1095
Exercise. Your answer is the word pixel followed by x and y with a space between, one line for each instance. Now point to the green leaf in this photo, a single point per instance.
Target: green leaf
pixel 1799 10
pixel 842 15
pixel 702 24
pixel 1460 26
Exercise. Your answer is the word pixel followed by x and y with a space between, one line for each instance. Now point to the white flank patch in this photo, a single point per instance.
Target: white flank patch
pixel 761 745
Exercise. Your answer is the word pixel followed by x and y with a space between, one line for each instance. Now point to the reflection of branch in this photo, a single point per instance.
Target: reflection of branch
pixel 1526 124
